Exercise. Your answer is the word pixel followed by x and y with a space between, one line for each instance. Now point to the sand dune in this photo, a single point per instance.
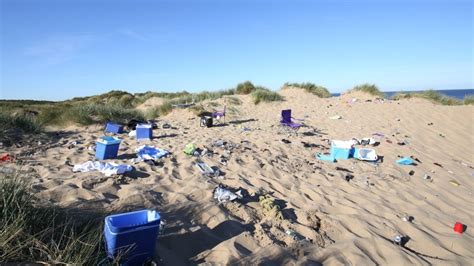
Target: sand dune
pixel 336 221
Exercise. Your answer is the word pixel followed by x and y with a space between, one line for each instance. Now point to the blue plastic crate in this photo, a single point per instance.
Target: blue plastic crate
pixel 144 131
pixel 113 128
pixel 341 149
pixel 107 148
pixel 132 235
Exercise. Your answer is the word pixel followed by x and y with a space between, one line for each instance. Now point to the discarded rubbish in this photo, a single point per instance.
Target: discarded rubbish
pixel 411 172
pixel 269 207
pixel 223 195
pixel 190 148
pixel 438 164
pixel 408 218
pixel 285 141
pixel 7 170
pixel 405 161
pixel 138 229
pixel 336 117
pixel 459 227
pixel 146 152
pixel 207 170
pixel 426 177
pixel 107 169
pixel 454 183
pixel 399 240
pixel 324 157
pixel 365 154
pixel 107 148
pixel 132 133
pixel 6 157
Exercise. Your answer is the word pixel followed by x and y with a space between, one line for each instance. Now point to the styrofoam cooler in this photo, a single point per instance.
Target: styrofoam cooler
pixel 113 128
pixel 341 149
pixel 107 148
pixel 132 236
pixel 144 131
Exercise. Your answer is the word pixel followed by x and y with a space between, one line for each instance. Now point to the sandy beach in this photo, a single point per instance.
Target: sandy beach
pixel 347 212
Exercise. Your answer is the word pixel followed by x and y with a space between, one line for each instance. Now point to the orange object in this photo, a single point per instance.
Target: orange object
pixel 459 227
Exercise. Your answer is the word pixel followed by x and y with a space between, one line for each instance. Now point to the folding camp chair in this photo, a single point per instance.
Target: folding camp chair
pixel 219 114
pixel 287 121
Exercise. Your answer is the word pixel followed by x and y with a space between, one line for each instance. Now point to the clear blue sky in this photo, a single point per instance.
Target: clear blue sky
pixel 60 49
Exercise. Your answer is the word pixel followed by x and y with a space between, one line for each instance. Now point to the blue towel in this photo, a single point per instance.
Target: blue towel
pixel 405 161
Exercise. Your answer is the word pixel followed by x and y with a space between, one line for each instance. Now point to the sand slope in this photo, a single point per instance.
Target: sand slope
pixel 337 222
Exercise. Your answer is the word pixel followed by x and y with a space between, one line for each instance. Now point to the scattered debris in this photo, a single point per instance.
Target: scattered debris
pixel 223 195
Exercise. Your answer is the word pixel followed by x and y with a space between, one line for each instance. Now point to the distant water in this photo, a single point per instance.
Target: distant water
pixel 458 94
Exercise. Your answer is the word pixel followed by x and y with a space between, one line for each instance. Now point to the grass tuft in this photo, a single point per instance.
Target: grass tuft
pixel 430 95
pixel 245 88
pixel 262 94
pixel 30 232
pixel 96 113
pixel 370 89
pixel 469 99
pixel 319 91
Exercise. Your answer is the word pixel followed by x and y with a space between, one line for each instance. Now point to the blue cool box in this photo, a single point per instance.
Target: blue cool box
pixel 113 128
pixel 132 235
pixel 144 131
pixel 107 148
pixel 341 149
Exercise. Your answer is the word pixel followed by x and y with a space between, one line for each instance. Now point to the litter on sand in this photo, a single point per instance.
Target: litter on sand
pixel 405 161
pixel 190 148
pixel 146 152
pixel 223 195
pixel 269 207
pixel 207 170
pixel 336 117
pixel 365 154
pixel 107 169
pixel 454 183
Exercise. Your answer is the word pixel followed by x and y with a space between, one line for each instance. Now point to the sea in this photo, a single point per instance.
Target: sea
pixel 458 94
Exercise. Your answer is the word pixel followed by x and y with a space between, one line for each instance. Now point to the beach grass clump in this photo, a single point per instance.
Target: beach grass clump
pixel 160 110
pixel 233 101
pixel 262 94
pixel 100 113
pixel 469 99
pixel 18 121
pixel 319 91
pixel 370 89
pixel 245 88
pixel 430 95
pixel 32 232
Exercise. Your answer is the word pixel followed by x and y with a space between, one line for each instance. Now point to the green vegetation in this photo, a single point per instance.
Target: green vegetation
pixel 233 100
pixel 158 111
pixel 319 91
pixel 23 122
pixel 99 113
pixel 261 94
pixel 245 88
pixel 432 96
pixel 469 99
pixel 31 232
pixel 370 89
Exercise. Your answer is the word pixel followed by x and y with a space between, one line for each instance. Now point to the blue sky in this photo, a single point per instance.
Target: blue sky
pixel 61 49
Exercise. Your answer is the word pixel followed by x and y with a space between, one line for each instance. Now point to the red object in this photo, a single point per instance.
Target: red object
pixel 459 227
pixel 5 157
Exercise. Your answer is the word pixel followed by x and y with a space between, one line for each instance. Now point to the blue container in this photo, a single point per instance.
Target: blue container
pixel 144 131
pixel 113 128
pixel 341 149
pixel 107 148
pixel 132 235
